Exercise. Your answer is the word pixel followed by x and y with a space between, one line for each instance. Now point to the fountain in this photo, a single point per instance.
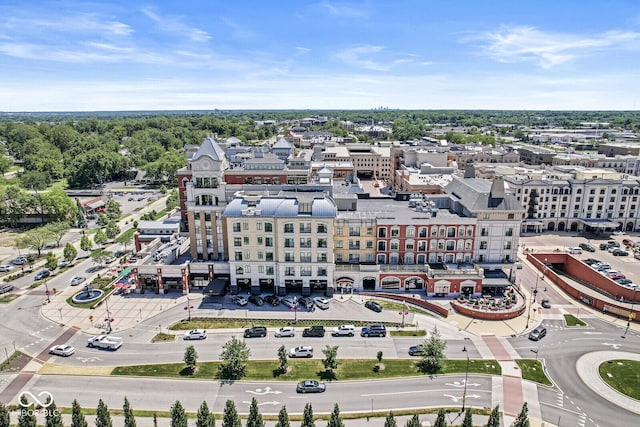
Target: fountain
pixel 87 295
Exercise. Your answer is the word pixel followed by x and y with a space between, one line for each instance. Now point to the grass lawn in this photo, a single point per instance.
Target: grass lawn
pixel 163 337
pixel 623 376
pixel 532 370
pixel 572 320
pixel 219 323
pixel 408 333
pixel 398 306
pixel 126 236
pixel 349 369
pixel 8 298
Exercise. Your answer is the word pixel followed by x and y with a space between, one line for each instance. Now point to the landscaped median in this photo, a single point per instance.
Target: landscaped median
pixel 349 369
pixel 623 376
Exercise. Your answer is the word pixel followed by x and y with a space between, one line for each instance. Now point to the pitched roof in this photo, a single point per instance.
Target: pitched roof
pixel 210 148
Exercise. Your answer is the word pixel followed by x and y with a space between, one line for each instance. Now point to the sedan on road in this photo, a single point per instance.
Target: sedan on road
pixel 42 274
pixel 6 267
pixel 77 280
pixel 62 350
pixel 287 331
pixel 195 334
pixel 310 386
pixel 415 350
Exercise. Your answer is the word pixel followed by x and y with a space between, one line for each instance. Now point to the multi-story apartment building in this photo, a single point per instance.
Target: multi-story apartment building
pixel 367 160
pixel 281 244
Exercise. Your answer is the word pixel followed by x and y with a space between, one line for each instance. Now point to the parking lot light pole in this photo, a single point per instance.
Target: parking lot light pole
pixel 46 287
pixel 631 314
pixel 466 377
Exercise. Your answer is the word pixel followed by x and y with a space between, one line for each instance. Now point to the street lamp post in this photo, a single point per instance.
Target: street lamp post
pixel 188 307
pixel 108 319
pixel 403 312
pixel 46 287
pixel 466 377
pixel 631 314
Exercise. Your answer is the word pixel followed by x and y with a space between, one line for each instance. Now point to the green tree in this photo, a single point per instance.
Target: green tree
pixel 100 256
pixel 432 350
pixel 205 418
pixel 58 230
pixel 283 418
pixel 283 359
pixel 5 418
pixel 129 419
pixel 335 420
pixel 86 244
pixel 52 418
pixel 468 418
pixel 379 357
pixel 57 206
pixel 5 164
pixel 191 358
pixel 113 210
pixel 77 417
pixel 178 415
pixel 330 361
pixel 112 230
pixel 523 417
pixel 234 357
pixel 35 239
pixel 172 200
pixel 307 416
pixel 440 419
pixel 100 238
pixel 51 261
pixel 390 421
pixel 103 418
pixel 230 417
pixel 102 220
pixel 413 422
pixel 494 417
pixel 254 419
pixel 81 219
pixel 26 417
pixel 70 252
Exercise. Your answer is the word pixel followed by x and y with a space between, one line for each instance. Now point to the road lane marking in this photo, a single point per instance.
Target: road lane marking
pixel 416 391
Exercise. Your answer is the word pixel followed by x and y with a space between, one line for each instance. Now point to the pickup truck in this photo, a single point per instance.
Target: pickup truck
pixel 105 341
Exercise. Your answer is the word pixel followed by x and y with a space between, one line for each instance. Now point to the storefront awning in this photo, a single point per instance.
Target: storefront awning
pixel 125 272
pixel 599 223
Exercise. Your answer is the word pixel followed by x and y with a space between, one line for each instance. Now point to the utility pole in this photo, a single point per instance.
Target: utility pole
pixel 466 377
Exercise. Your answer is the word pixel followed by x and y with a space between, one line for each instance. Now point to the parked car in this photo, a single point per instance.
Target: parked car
pixel 256 331
pixel 628 242
pixel 62 350
pixel 545 303
pixel 42 274
pixel 272 299
pixel 64 264
pixel 6 267
pixel 289 301
pixel 623 281
pixel 616 276
pixel 619 252
pixel 195 334
pixel 344 331
pixel 538 333
pixel 587 247
pixel 306 302
pixel 77 280
pixel 310 386
pixel 239 300
pixel 21 260
pixel 322 303
pixel 301 351
pixel 314 331
pixel 591 261
pixel 613 243
pixel 604 246
pixel 287 331
pixel 415 350
pixel 6 288
pixel 257 300
pixel 575 250
pixel 618 232
pixel 374 331
pixel 372 305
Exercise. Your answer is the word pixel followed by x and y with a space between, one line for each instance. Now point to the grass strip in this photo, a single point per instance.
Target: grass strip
pixel 163 337
pixel 226 323
pixel 572 321
pixel 533 370
pixel 349 369
pixel 623 376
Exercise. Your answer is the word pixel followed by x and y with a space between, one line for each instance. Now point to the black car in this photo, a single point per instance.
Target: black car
pixel 256 331
pixel 372 305
pixel 604 246
pixel 619 252
pixel 313 331
pixel 306 302
pixel 538 333
pixel 272 299
pixel 587 247
pixel 415 350
pixel 257 300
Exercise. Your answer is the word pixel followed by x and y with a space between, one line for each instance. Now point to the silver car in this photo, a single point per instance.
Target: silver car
pixel 287 331
pixel 62 350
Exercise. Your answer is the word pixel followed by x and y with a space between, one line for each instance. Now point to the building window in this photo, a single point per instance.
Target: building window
pixel 354 231
pixel 305 227
pixel 393 246
pixel 245 225
pixel 451 245
pixel 509 232
pixel 322 243
pixel 268 256
pixel 382 232
pixel 339 244
pixel 259 226
pixel 290 271
pixel 382 246
pixel 260 240
pixel 305 271
pixel 483 245
pixel 268 242
pixel 484 232
pixel 239 269
pixel 411 232
pixel 268 227
pixel 289 243
pixel 369 244
pixel 289 257
pixel 395 232
pixel 288 228
pixel 422 232
pixel 409 245
pixel 245 239
pixel 260 255
pixel 451 232
pixel 322 228
pixel 237 241
pixel 238 256
pixel 322 257
pixel 236 227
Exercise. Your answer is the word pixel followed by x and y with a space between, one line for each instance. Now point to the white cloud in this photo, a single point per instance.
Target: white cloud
pixel 343 10
pixel 547 49
pixel 69 23
pixel 361 56
pixel 176 25
pixel 302 50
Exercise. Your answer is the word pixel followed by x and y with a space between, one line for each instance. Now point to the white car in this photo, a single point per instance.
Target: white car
pixel 619 233
pixel 287 331
pixel 6 267
pixel 322 303
pixel 195 334
pixel 77 280
pixel 289 301
pixel 302 351
pixel 575 250
pixel 62 350
pixel 239 300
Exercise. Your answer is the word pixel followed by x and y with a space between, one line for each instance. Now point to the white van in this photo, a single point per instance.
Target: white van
pixel 344 330
pixel 302 351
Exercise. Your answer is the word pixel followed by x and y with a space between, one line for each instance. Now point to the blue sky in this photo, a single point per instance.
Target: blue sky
pixel 407 54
